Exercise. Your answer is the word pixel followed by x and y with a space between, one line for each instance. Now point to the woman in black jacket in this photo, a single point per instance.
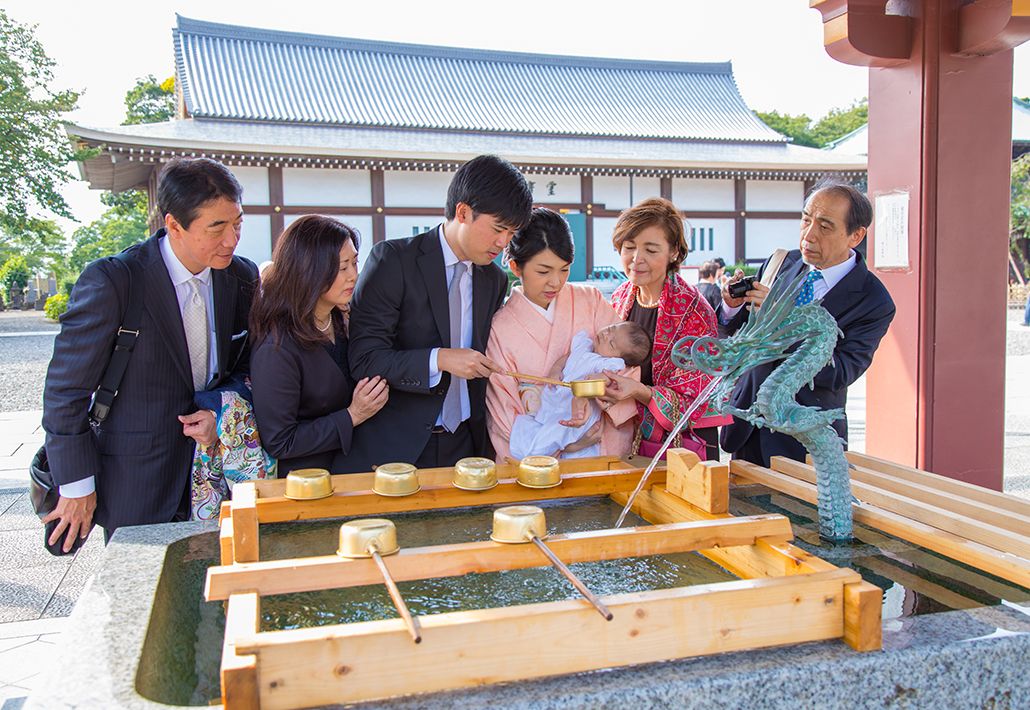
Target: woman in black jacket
pixel 305 401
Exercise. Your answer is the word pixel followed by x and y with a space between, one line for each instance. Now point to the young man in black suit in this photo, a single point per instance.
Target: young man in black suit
pixel 833 223
pixel 421 317
pixel 134 468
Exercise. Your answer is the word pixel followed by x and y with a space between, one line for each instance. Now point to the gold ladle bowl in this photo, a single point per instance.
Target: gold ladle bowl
pixel 518 523
pixel 395 479
pixel 359 537
pixel 475 474
pixel 308 484
pixel 539 472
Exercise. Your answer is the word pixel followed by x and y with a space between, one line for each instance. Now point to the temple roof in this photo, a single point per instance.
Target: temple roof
pixel 246 74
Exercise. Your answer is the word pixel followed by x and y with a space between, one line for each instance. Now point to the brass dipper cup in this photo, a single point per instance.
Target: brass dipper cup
pixel 375 537
pixel 516 524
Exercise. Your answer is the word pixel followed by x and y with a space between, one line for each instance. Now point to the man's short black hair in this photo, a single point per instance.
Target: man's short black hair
pixel 860 211
pixel 186 184
pixel 491 185
pixel 708 269
pixel 640 344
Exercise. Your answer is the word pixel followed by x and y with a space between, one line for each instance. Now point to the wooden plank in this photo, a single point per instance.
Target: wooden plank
pixel 917 584
pixel 438 496
pixel 371 660
pixel 349 482
pixel 705 484
pixel 239 671
pixel 245 522
pixel 224 510
pixel 225 542
pixel 942 483
pixel 863 608
pixel 904 550
pixel 959 504
pixel 933 515
pixel 1001 564
pixel 330 571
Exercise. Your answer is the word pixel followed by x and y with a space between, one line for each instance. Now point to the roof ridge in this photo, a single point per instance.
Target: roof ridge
pixel 188 25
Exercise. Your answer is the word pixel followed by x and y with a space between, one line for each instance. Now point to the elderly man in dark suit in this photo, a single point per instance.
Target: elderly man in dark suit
pixel 833 223
pixel 421 317
pixel 134 468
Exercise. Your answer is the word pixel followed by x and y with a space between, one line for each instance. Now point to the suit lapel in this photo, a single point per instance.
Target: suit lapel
pixel 840 296
pixel 224 296
pixel 481 302
pixel 163 306
pixel 430 263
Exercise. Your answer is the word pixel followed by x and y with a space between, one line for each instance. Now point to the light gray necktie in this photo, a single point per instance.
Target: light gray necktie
pixel 451 414
pixel 194 322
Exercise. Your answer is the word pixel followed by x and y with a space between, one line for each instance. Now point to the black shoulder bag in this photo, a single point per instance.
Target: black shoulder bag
pixel 43 494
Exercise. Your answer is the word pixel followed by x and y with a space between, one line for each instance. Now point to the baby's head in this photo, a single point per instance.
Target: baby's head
pixel 626 340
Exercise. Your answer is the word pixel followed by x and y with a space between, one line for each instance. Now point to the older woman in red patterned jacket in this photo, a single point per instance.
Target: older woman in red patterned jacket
pixel 650 241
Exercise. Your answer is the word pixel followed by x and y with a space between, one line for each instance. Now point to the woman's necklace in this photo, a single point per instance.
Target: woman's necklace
pixel 328 323
pixel 646 305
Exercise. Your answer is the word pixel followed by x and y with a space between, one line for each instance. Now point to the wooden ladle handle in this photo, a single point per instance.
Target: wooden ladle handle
pixel 537 378
pixel 395 596
pixel 573 579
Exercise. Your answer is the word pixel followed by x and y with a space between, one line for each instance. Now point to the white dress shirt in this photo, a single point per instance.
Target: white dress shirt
pixel 449 260
pixel 180 277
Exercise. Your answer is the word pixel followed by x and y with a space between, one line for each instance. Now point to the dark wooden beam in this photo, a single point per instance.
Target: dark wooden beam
pixel 378 205
pixel 739 219
pixel 275 196
pixel 586 194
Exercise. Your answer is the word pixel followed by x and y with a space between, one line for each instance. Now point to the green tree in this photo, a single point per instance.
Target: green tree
pixel 1019 208
pixel 39 241
pixel 799 128
pixel 123 224
pixel 839 122
pixel 150 102
pixel 33 143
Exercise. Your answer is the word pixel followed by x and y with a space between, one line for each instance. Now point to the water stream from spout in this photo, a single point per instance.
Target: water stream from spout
pixel 699 401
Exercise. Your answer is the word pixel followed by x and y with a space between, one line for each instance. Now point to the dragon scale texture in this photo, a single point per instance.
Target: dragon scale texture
pixel 803 337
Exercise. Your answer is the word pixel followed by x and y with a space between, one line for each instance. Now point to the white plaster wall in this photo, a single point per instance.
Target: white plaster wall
pixel 256 238
pixel 362 224
pixel 255 184
pixel 785 195
pixel 763 236
pixel 693 194
pixel 712 238
pixel 326 186
pixel 554 188
pixel 413 189
pixel 604 252
pixel 619 193
pixel 400 227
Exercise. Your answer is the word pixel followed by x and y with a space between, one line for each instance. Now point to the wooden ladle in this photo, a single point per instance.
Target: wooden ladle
pixel 580 388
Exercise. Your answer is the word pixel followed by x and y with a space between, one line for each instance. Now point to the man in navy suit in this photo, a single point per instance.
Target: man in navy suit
pixel 833 223
pixel 134 468
pixel 420 318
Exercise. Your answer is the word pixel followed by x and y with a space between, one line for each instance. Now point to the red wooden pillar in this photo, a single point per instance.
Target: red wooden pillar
pixel 940 101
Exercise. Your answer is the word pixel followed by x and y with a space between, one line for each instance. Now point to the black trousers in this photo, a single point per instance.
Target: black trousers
pixel 710 435
pixel 445 448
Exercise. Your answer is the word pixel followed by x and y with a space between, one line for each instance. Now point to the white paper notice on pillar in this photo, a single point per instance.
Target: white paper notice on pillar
pixel 891 231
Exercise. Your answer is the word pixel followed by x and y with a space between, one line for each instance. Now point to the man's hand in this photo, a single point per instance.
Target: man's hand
pixel 756 296
pixel 200 426
pixel 75 516
pixel 466 363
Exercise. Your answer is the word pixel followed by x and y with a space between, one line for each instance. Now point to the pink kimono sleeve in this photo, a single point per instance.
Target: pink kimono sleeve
pixel 503 403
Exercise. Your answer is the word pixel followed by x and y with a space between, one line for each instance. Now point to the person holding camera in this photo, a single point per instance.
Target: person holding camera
pixel 834 222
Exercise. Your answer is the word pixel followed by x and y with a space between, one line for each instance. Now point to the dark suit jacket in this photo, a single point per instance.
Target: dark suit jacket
pixel 863 309
pixel 398 315
pixel 300 401
pixel 139 456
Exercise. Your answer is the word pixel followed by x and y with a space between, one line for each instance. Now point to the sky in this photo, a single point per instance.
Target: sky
pixel 776 46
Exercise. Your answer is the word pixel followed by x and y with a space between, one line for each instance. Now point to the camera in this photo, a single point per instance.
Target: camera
pixel 740 288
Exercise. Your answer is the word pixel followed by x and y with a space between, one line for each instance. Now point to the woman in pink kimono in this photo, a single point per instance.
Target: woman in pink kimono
pixel 650 240
pixel 532 334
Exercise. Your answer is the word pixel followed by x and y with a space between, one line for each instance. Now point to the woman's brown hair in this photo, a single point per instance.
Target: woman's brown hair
pixel 305 264
pixel 653 212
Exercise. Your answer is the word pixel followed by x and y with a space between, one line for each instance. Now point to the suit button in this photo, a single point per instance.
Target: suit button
pixel 417 382
pixel 429 427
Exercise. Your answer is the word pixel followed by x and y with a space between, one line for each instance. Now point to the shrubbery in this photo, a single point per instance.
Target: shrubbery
pixel 56 305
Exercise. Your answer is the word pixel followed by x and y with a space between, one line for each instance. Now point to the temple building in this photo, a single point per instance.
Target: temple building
pixel 373 131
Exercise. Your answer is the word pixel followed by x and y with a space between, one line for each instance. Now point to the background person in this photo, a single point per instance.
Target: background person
pixel 305 401
pixel 533 332
pixel 650 241
pixel 833 223
pixel 421 317
pixel 135 468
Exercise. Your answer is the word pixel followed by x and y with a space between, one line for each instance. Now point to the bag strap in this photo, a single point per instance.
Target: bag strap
pixel 775 262
pixel 125 341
